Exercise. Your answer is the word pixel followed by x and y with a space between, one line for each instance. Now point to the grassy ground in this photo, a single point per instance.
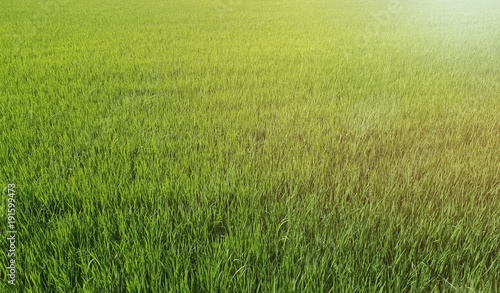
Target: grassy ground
pixel 251 146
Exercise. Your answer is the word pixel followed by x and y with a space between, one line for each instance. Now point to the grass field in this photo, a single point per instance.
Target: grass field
pixel 251 145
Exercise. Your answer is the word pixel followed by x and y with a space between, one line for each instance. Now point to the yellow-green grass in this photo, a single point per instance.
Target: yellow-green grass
pixel 252 146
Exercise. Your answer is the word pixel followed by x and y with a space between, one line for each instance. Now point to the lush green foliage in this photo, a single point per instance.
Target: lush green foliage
pixel 252 146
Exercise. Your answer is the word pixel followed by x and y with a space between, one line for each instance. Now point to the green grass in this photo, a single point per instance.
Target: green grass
pixel 252 146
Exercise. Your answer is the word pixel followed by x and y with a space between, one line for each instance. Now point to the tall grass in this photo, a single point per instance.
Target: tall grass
pixel 272 146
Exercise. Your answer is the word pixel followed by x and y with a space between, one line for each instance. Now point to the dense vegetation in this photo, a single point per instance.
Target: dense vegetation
pixel 252 146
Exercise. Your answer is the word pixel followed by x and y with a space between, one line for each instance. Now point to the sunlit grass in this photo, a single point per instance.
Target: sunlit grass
pixel 166 146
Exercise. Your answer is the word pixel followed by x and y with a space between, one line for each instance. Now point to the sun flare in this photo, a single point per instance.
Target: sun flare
pixel 455 12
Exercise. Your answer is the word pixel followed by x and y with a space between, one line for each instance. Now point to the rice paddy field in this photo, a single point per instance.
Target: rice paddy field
pixel 250 146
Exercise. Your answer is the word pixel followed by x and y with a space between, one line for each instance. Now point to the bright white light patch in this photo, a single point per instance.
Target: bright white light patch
pixel 462 12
